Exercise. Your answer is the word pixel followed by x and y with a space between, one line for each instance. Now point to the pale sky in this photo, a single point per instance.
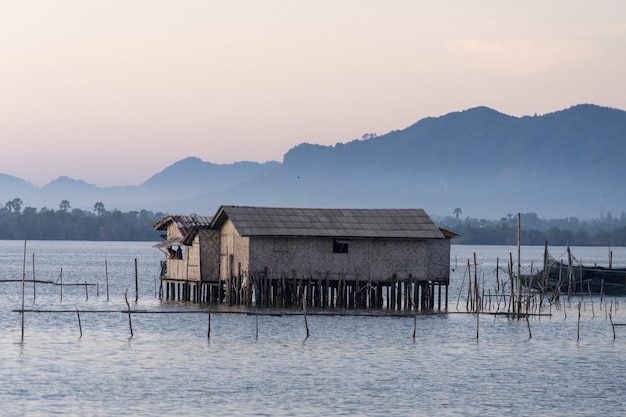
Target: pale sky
pixel 114 91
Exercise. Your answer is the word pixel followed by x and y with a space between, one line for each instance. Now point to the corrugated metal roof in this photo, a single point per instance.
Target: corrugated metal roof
pixel 315 222
pixel 168 243
pixel 183 222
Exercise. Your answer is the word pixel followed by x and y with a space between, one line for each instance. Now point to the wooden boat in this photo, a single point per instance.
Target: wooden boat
pixel 558 277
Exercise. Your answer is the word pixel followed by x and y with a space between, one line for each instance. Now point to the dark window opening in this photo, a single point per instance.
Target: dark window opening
pixel 340 245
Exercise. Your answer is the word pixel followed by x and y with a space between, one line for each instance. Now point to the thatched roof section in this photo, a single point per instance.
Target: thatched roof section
pixel 312 222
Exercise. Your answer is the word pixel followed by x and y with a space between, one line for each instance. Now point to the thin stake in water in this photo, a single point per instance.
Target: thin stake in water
pixel 23 279
pixel 34 281
pixel 306 323
pixel 208 334
pixel 130 322
pixel 106 273
pixel 79 325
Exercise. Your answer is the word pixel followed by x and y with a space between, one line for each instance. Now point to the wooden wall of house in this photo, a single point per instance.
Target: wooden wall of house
pixel 192 258
pixel 173 231
pixel 366 259
pixel 440 259
pixel 234 253
pixel 209 254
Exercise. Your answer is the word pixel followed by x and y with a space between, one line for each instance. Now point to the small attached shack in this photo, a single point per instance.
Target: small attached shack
pixel 183 246
pixel 348 258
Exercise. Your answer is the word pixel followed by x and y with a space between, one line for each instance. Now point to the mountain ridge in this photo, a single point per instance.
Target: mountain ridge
pixel 567 163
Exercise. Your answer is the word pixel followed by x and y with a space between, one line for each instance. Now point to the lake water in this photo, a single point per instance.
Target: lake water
pixel 266 366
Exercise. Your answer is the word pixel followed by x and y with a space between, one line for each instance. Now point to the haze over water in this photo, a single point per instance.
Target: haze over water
pixel 349 365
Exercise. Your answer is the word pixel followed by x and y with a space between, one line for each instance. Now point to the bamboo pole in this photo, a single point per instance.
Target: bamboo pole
pixel 511 284
pixel 34 281
pixel 593 313
pixel 414 321
pixel 80 327
pixel 578 326
pixel 106 275
pixel 601 292
pixel 466 273
pixel 23 280
pixel 208 334
pixel 477 322
pixel 476 296
pixel 519 263
pixel 136 282
pixel 569 273
pixel 469 304
pixel 306 323
pixel 130 322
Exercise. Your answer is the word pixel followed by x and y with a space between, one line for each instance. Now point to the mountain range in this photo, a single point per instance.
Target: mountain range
pixel 569 163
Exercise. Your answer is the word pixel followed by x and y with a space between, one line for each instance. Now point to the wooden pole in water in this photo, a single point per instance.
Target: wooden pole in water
pixel 593 313
pixel 130 322
pixel 106 275
pixel 601 292
pixel 476 286
pixel 569 273
pixel 414 320
pixel 578 327
pixel 61 278
pixel 79 325
pixel 86 292
pixel 612 325
pixel 469 304
pixel 136 282
pixel 34 281
pixel 306 323
pixel 519 263
pixel 23 280
pixel 477 322
pixel 511 284
pixel 208 334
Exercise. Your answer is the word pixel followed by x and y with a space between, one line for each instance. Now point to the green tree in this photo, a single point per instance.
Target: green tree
pixel 64 206
pixel 99 208
pixel 14 205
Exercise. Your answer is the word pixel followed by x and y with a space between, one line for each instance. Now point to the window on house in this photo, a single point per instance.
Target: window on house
pixel 340 245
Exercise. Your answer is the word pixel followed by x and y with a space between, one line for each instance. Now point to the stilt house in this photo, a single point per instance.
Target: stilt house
pixel 182 245
pixel 397 258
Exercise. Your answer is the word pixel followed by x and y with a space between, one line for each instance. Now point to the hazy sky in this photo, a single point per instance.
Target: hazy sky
pixel 112 92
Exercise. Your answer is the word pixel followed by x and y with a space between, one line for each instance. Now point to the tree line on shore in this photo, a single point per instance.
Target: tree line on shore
pixel 101 224
pixel 75 224
pixel 607 230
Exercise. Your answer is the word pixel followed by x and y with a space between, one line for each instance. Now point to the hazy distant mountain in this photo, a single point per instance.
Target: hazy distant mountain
pixel 563 164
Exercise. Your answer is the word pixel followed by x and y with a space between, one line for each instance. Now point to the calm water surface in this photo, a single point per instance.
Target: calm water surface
pixel 349 365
